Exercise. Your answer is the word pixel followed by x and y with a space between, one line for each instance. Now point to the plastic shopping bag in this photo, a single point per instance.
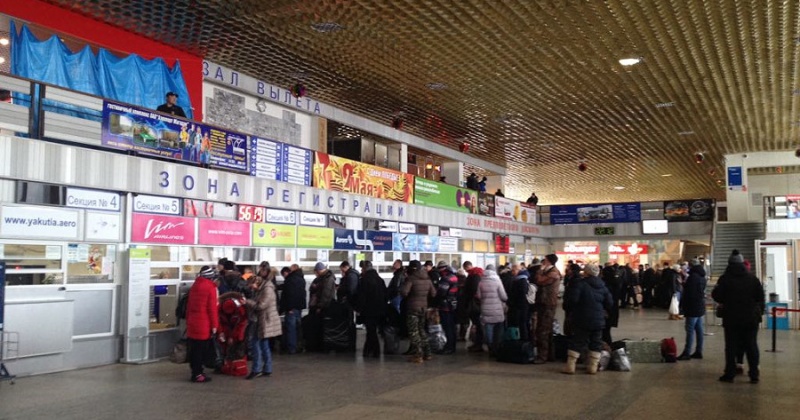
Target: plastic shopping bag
pixel 620 361
pixel 674 309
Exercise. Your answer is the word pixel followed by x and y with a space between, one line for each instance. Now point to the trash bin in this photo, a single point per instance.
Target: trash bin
pixel 773 298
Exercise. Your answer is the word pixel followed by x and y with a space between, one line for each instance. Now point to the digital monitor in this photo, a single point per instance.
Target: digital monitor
pixel 655 227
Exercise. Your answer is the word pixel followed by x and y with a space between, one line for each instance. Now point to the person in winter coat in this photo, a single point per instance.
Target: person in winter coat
pixel 293 301
pixel 232 281
pixel 548 283
pixel 447 303
pixel 462 319
pixel 482 185
pixel 648 281
pixel 202 321
pixel 370 302
pixel 417 289
pixel 398 277
pixel 348 286
pixel 614 285
pixel 506 277
pixel 470 306
pixel 268 323
pixel 492 296
pixel 587 300
pixel 741 296
pixel 572 274
pixel 472 181
pixel 322 290
pixel 518 315
pixel 693 307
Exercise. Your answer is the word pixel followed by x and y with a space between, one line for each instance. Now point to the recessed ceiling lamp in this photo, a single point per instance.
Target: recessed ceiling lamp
pixel 3 41
pixel 619 187
pixel 632 61
pixel 326 27
pixel 437 86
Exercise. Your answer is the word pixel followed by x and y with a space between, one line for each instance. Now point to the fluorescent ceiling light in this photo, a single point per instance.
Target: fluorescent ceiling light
pixel 619 187
pixel 630 61
pixel 666 175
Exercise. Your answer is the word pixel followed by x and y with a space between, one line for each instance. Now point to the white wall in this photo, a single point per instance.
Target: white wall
pixel 740 202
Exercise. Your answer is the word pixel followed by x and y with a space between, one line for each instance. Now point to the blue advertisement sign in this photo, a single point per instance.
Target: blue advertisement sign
pixel 415 243
pixel 2 294
pixel 360 240
pixel 596 213
pixel 272 159
pixel 153 134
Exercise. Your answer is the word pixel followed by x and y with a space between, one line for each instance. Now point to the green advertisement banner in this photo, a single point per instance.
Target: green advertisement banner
pixel 274 235
pixel 314 237
pixel 444 196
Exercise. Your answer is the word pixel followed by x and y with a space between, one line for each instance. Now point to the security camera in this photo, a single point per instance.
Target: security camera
pixel 699 157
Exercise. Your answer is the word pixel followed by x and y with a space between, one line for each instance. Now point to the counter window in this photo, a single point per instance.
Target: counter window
pixel 90 263
pixel 33 264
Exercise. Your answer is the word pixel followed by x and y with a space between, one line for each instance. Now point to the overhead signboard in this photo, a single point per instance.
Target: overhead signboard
pixel 92 199
pixel 150 133
pixel 339 174
pixel 255 214
pixel 157 229
pixel 156 204
pixel 444 196
pixel 278 161
pixel 313 219
pixel 486 204
pixel 415 243
pixel 287 217
pixel 223 232
pixel 406 228
pixel 314 237
pixel 348 239
pixel 39 222
pixel 596 213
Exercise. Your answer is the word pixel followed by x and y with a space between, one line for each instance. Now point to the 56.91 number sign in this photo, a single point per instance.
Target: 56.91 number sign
pixel 251 214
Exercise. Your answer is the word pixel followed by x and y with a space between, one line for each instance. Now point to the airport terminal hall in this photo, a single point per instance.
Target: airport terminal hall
pixel 399 209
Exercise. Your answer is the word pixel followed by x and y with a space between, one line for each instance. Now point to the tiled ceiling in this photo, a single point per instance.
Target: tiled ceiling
pixel 534 85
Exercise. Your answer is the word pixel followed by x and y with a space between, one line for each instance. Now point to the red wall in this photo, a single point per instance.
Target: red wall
pixel 111 37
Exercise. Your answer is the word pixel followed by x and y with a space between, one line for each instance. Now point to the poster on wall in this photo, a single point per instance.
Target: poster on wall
pixel 793 206
pixel 689 210
pixel 314 237
pixel 514 210
pixel 274 235
pixel 222 232
pixel 448 244
pixel 444 196
pixel 596 213
pixel 278 161
pixel 138 303
pixel 362 240
pixel 415 243
pixel 339 174
pixel 153 134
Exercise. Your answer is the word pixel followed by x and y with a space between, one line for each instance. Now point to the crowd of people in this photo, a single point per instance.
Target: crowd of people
pixel 235 313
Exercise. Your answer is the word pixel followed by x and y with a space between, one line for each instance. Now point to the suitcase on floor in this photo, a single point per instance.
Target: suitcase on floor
pixel 338 334
pixel 643 351
pixel 236 367
pixel 311 326
pixel 515 351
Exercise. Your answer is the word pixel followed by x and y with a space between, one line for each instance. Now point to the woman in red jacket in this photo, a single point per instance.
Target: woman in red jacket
pixel 202 320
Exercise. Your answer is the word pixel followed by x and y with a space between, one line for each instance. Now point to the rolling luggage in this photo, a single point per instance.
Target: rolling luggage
pixel 311 326
pixel 515 351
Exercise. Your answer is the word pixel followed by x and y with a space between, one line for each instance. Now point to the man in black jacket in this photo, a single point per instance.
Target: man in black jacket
pixel 348 285
pixel 293 301
pixel 741 298
pixel 371 305
pixel 693 308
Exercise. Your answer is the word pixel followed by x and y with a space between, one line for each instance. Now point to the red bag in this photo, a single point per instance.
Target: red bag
pixel 235 367
pixel 669 350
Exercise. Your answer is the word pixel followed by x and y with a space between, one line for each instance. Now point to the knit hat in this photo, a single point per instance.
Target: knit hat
pixel 440 265
pixel 591 269
pixel 552 258
pixel 320 266
pixel 230 265
pixel 695 262
pixel 736 257
pixel 429 263
pixel 207 272
pixel 414 265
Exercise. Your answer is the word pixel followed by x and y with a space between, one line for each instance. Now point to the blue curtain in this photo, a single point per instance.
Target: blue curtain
pixel 132 79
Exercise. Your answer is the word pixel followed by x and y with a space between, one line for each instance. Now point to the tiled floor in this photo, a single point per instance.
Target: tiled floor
pixel 465 386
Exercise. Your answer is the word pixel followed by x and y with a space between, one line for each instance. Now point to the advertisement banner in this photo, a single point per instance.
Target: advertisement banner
pixel 39 222
pixel 444 196
pixel 360 240
pixel 415 243
pixel 150 133
pixel 156 229
pixel 527 214
pixel 689 210
pixel 221 232
pixel 514 210
pixel 596 213
pixel 314 237
pixel 339 174
pixel 274 235
pixel 627 249
pixel 278 161
pixel 486 204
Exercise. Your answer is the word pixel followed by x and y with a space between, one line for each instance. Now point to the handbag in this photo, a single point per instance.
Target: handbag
pixel 620 361
pixel 179 352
